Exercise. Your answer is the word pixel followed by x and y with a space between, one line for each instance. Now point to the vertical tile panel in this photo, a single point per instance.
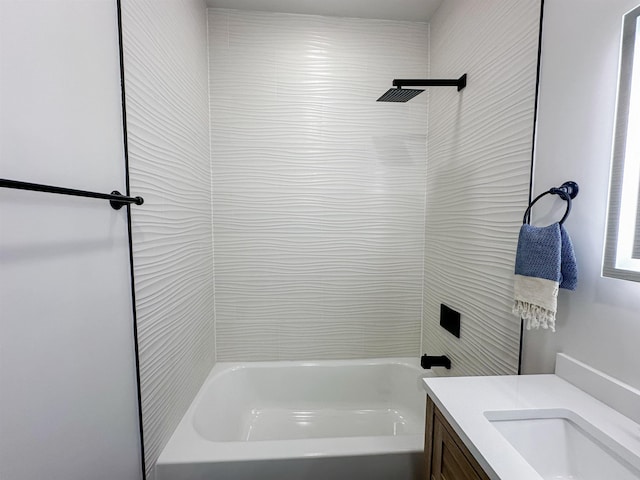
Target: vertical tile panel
pixel 318 190
pixel 165 47
pixel 478 167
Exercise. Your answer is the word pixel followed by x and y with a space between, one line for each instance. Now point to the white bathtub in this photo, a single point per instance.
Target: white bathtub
pixel 302 421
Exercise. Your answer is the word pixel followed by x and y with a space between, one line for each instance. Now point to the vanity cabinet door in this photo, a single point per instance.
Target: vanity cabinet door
pixel 446 457
pixel 449 463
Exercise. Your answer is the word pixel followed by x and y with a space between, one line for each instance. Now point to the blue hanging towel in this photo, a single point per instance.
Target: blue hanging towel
pixel 545 261
pixel 568 264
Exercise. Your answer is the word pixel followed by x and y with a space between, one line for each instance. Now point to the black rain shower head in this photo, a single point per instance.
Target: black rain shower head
pixel 399 95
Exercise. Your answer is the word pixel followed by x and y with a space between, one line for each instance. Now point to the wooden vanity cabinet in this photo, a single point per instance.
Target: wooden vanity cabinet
pixel 446 457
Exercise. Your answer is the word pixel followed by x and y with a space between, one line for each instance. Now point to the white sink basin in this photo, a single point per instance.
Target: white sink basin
pixel 559 445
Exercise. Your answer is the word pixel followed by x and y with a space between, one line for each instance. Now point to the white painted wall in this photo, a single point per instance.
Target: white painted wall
pixel 68 407
pixel 599 323
pixel 166 78
pixel 478 178
pixel 318 190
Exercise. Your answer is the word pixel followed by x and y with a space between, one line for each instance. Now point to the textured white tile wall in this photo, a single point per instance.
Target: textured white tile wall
pixel 318 191
pixel 479 160
pixel 165 47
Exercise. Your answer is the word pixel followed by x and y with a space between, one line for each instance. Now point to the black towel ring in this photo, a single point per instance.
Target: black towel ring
pixel 567 191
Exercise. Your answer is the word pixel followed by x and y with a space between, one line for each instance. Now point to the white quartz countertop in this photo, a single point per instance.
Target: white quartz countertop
pixel 464 400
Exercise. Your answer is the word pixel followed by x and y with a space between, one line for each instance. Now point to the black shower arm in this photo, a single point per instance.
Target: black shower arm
pixel 404 82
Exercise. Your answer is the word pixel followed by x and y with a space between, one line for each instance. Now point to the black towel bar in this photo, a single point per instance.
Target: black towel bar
pixel 116 199
pixel 567 191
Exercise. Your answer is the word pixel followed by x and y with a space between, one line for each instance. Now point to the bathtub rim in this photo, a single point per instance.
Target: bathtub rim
pixel 187 446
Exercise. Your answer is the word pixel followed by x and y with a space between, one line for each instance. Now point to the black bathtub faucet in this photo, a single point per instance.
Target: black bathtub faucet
pixel 427 361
